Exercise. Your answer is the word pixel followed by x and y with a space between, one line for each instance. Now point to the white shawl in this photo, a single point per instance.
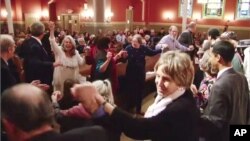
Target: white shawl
pixel 161 103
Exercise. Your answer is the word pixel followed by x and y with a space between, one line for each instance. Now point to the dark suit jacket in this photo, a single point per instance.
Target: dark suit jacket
pixel 228 104
pixel 37 62
pixel 7 78
pixel 93 133
pixel 177 122
pixel 186 38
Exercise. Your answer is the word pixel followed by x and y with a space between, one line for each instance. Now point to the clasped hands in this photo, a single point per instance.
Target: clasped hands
pixel 89 97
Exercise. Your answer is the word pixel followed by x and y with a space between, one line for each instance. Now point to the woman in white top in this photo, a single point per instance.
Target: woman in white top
pixel 69 58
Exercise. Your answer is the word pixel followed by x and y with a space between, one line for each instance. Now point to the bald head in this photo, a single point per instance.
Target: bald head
pixel 25 102
pixel 26 91
pixel 192 26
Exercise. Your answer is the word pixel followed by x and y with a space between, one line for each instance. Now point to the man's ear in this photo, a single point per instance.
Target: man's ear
pixel 220 59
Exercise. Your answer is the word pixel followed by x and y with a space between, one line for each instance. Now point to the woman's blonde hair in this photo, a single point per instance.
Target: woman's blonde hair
pixel 205 63
pixel 105 89
pixel 72 51
pixel 179 66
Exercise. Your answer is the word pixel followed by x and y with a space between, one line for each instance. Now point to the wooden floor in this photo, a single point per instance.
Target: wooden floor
pixel 147 101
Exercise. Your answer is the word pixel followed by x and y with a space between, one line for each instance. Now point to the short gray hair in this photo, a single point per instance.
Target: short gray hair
pixel 138 38
pixel 6 41
pixel 37 28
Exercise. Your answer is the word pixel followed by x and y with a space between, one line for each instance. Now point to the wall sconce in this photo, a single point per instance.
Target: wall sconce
pixel 4 13
pixel 168 15
pixel 58 18
pixel 229 17
pixel 108 15
pixel 45 13
pixel 196 16
pixel 87 13
pixel 37 15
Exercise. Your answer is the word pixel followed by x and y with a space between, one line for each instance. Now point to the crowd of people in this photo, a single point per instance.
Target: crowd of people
pixel 202 85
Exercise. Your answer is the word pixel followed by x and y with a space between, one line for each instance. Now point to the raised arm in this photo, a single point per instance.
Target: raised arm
pixel 102 67
pixel 52 40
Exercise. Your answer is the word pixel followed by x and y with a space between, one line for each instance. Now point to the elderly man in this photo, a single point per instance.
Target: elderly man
pixel 38 64
pixel 28 115
pixel 229 102
pixel 7 51
pixel 7 45
pixel 170 43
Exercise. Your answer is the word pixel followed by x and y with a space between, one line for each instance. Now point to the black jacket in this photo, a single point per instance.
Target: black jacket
pixel 177 122
pixel 228 104
pixel 7 78
pixel 38 64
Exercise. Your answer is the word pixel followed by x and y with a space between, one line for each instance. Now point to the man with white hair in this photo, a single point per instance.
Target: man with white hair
pixel 169 41
pixel 7 45
pixel 38 64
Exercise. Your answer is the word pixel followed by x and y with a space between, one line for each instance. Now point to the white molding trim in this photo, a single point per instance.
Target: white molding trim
pixel 143 10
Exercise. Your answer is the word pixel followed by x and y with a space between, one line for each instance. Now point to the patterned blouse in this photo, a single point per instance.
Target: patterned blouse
pixel 204 92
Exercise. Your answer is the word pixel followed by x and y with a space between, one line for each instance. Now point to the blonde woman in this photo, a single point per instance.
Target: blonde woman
pixel 172 116
pixel 68 56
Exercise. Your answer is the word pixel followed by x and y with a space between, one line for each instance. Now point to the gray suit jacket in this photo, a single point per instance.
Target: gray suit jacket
pixel 228 104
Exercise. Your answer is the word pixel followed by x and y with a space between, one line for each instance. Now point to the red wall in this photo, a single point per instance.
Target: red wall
pixel 63 5
pixel 137 8
pixel 153 10
pixel 31 7
pixel 118 7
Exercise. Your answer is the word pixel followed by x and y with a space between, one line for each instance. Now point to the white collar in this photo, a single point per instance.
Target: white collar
pixel 222 71
pixel 38 40
pixel 161 103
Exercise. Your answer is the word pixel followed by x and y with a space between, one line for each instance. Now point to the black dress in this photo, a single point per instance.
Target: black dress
pixel 135 75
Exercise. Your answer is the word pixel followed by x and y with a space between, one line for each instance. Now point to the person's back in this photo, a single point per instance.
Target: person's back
pixel 38 64
pixel 236 90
